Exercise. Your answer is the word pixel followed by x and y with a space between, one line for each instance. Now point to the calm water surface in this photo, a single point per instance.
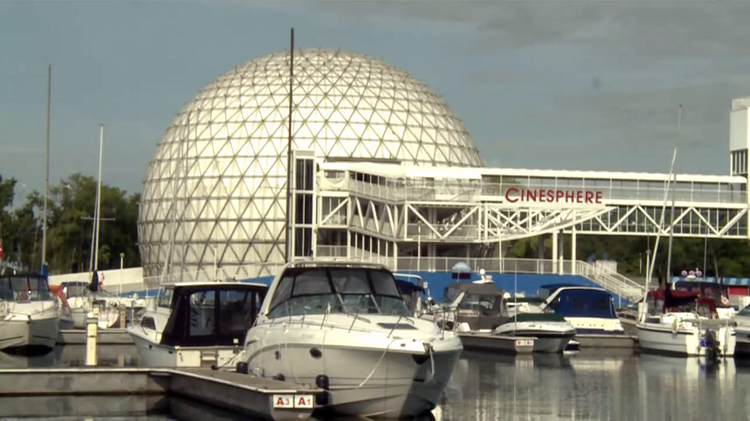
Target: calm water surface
pixel 585 386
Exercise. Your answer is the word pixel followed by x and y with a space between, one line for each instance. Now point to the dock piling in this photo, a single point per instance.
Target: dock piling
pixel 92 324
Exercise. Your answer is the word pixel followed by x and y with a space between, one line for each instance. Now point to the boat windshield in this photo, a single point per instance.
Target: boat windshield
pixel 24 289
pixel 745 311
pixel 449 296
pixel 336 290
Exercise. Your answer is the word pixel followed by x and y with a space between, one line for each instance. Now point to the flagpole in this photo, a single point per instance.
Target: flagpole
pixel 46 182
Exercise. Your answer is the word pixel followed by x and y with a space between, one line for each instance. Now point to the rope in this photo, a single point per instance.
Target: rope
pixel 385 351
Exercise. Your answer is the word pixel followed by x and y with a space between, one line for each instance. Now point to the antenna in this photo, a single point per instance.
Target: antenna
pixel 46 180
pixel 288 228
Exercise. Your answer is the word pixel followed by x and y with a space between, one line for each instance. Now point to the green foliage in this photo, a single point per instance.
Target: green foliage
pixel 69 235
pixel 730 257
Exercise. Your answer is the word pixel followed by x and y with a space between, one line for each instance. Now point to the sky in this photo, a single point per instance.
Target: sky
pixel 584 85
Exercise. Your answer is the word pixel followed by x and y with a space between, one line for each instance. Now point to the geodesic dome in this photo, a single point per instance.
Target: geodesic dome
pixel 221 164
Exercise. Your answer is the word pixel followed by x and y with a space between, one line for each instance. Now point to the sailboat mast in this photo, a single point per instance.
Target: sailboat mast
pixel 674 184
pixel 97 216
pixel 664 207
pixel 46 178
pixel 288 228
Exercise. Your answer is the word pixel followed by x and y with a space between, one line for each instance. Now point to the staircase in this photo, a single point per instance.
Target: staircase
pixel 612 281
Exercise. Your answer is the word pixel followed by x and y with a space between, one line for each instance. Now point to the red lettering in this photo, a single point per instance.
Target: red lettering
pixel 598 197
pixel 531 195
pixel 569 196
pixel 579 196
pixel 560 194
pixel 301 401
pixel 508 197
pixel 279 401
pixel 589 196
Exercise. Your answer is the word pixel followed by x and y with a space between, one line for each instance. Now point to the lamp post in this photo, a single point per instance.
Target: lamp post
pixel 122 261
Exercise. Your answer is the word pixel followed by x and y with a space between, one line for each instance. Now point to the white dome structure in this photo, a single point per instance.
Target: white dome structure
pixel 221 164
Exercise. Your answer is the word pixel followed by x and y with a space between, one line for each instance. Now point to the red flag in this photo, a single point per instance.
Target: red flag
pixel 1 248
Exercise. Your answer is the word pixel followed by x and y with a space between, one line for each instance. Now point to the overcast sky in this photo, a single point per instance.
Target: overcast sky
pixel 589 85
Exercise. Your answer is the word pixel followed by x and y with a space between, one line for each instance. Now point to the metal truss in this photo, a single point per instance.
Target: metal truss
pixel 689 221
pixel 467 222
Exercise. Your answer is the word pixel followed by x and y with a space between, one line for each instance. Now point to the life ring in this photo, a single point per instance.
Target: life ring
pixel 675 326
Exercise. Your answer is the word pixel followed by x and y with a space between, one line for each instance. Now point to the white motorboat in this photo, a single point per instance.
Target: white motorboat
pixel 682 323
pixel 414 292
pixel 344 327
pixel 589 309
pixel 29 313
pixel 82 297
pixel 194 324
pixel 552 332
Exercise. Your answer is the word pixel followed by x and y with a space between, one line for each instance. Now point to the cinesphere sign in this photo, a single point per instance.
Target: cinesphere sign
pixel 516 195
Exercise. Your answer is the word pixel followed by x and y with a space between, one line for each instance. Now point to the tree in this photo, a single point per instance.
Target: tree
pixel 71 207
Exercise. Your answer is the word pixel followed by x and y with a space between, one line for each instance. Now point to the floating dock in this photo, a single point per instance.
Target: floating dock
pixel 239 393
pixel 590 340
pixel 499 343
pixel 103 337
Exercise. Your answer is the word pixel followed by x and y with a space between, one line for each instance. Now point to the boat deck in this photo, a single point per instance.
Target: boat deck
pixel 239 393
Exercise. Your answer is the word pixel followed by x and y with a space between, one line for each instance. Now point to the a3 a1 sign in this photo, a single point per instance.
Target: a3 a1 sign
pixel 292 401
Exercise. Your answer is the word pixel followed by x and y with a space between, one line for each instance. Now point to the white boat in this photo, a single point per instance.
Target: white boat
pixel 681 323
pixel 589 309
pixel 552 332
pixel 195 324
pixel 344 327
pixel 82 297
pixel 414 292
pixel 29 313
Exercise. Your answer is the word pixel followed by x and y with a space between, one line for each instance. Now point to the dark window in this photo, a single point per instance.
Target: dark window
pixel 283 292
pixel 165 299
pixel 202 313
pixel 313 282
pixel 578 304
pixel 303 242
pixel 236 313
pixel 148 323
pixel 303 208
pixel 304 176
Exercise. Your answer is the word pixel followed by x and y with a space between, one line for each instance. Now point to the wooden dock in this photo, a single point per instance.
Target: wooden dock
pixel 239 393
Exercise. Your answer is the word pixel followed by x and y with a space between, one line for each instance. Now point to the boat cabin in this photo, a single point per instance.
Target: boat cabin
pixel 206 314
pixel 480 305
pixel 413 291
pixel 24 288
pixel 661 301
pixel 578 301
pixel 308 288
pixel 717 292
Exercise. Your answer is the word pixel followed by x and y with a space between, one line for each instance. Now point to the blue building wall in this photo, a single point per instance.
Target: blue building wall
pixel 437 281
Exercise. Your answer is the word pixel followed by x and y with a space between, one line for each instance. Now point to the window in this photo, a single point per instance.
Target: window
pixel 237 311
pixel 202 315
pixel 165 298
pixel 148 323
pixel 336 290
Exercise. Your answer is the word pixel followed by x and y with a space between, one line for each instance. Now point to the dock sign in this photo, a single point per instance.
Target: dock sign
pixel 292 401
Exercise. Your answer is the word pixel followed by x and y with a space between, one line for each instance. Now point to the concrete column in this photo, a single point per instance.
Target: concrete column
pixel 561 261
pixel 573 250
pixel 554 251
pixel 500 256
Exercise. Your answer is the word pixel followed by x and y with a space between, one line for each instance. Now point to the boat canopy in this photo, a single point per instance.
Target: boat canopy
pixel 211 314
pixel 336 289
pixel 583 302
pixel 24 287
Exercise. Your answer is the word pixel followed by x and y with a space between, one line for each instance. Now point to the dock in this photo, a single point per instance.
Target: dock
pixel 230 391
pixel 103 337
pixel 498 343
pixel 591 340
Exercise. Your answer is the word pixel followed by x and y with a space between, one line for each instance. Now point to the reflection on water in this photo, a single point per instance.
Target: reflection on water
pixel 584 386
pixel 593 386
pixel 73 356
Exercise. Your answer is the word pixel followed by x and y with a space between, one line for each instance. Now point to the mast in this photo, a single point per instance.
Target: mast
pixel 674 184
pixel 664 207
pixel 46 179
pixel 288 222
pixel 98 215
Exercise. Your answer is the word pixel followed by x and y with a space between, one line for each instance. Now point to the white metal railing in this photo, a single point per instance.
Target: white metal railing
pixel 611 280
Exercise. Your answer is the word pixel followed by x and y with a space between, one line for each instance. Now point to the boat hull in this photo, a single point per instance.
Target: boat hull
pixel 368 375
pixel 686 342
pixel 550 337
pixel 108 318
pixel 152 354
pixel 37 331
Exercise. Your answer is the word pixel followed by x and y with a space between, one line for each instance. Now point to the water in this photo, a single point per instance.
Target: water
pixel 589 385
